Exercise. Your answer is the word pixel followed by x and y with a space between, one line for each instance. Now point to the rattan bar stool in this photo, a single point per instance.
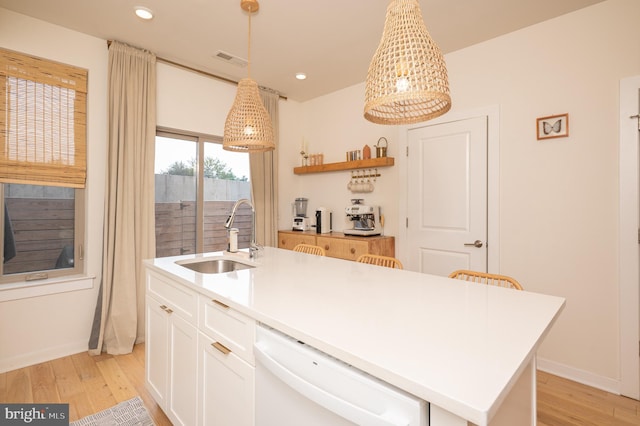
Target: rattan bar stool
pixel 486 278
pixel 309 249
pixel 376 259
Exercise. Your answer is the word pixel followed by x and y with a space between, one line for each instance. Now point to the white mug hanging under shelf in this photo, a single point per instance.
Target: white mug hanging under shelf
pixel 361 182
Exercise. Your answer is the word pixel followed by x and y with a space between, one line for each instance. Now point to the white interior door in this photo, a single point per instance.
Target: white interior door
pixel 447 197
pixel 629 226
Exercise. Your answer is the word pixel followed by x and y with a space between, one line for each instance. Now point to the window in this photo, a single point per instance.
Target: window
pixel 197 184
pixel 42 167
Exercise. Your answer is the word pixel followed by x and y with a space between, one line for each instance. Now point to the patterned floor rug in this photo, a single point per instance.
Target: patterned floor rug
pixel 127 413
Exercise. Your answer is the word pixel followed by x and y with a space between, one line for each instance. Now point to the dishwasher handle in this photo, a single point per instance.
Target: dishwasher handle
pixel 342 407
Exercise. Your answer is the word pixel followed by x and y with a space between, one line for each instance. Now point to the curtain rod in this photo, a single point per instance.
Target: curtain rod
pixel 205 73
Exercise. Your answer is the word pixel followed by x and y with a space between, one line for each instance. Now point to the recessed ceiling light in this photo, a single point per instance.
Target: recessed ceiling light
pixel 301 76
pixel 144 13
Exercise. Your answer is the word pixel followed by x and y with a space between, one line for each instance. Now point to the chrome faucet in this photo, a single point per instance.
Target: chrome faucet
pixel 253 246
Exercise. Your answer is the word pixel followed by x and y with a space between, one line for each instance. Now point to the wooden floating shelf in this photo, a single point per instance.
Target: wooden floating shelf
pixel 345 165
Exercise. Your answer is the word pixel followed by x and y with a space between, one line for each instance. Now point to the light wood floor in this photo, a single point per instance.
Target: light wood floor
pixel 88 383
pixel 91 384
pixel 564 402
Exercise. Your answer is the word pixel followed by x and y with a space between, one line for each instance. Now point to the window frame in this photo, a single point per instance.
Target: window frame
pixel 200 139
pixel 78 246
pixel 36 72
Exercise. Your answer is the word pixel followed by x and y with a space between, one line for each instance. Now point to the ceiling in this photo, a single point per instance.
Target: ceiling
pixel 332 41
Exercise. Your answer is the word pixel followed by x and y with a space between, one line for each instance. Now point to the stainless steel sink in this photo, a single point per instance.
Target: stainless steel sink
pixel 214 266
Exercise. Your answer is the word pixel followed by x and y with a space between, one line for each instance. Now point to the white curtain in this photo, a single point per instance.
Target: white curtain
pixel 129 228
pixel 264 179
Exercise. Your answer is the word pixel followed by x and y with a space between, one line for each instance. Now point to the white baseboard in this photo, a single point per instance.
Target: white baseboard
pixel 586 378
pixel 32 358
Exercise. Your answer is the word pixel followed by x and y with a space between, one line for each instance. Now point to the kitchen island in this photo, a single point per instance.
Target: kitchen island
pixel 467 349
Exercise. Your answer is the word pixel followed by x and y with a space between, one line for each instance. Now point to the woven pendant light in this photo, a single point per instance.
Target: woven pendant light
pixel 248 126
pixel 407 79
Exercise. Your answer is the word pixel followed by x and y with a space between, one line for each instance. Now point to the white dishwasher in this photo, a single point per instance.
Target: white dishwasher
pixel 299 385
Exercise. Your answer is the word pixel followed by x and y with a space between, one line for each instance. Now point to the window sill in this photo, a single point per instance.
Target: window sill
pixel 24 290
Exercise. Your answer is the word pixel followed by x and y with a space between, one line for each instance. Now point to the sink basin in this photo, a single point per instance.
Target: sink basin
pixel 214 266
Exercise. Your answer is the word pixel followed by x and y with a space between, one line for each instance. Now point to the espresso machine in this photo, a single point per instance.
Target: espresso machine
pixel 300 220
pixel 365 219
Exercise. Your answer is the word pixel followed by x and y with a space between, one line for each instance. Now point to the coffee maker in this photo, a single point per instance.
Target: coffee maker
pixel 365 219
pixel 300 220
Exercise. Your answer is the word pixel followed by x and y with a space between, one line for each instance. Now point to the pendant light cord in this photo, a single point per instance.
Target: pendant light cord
pixel 249 48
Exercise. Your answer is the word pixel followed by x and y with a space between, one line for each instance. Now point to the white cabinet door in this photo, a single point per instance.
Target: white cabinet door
pixel 156 351
pixel 171 351
pixel 226 386
pixel 183 358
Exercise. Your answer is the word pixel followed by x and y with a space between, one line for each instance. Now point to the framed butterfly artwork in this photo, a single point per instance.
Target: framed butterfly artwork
pixel 553 126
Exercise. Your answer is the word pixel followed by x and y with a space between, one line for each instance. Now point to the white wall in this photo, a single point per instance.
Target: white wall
pixel 558 198
pixel 46 327
pixel 332 125
pixel 558 214
pixel 190 101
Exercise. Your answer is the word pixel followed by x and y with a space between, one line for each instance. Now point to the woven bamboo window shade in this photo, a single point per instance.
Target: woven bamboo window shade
pixel 42 121
pixel 407 80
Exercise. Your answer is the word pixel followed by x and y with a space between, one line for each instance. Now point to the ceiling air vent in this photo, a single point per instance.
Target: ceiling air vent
pixel 229 58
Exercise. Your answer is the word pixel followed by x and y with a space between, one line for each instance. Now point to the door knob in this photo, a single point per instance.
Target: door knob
pixel 476 243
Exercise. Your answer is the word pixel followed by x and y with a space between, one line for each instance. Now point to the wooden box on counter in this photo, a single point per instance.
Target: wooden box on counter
pixel 338 245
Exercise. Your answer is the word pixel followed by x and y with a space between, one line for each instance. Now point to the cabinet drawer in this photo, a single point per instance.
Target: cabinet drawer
pixel 343 248
pixel 225 325
pixel 178 298
pixel 290 240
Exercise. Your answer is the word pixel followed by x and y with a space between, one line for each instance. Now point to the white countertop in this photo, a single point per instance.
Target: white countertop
pixel 455 344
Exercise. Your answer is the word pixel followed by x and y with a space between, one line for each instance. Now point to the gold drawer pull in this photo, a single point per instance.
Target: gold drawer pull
pixel 222 348
pixel 217 302
pixel 326 246
pixel 166 309
pixel 353 250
